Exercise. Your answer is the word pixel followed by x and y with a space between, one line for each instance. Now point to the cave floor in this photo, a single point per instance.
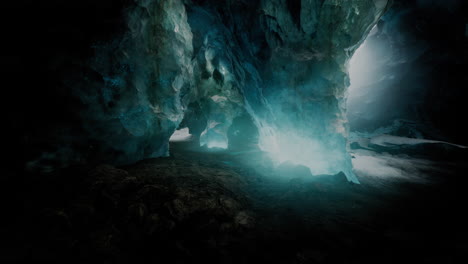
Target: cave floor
pixel 220 206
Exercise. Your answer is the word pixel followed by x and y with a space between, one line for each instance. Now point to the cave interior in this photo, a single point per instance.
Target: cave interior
pixel 235 131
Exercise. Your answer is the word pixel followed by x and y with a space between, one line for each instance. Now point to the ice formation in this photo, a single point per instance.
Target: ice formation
pixel 206 63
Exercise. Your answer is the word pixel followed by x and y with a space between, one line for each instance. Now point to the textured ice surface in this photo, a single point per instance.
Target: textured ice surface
pixel 147 73
pixel 283 63
pixel 305 80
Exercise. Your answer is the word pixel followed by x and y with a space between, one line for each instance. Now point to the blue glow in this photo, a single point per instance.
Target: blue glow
pixel 216 144
pixel 319 156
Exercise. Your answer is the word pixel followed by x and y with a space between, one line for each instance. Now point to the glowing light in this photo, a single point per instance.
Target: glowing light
pixel 318 156
pixel 181 135
pixel 369 77
pixel 216 144
pixel 360 67
pixel 297 150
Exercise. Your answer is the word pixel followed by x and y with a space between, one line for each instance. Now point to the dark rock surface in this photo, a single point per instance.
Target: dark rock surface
pixel 154 210
pixel 231 207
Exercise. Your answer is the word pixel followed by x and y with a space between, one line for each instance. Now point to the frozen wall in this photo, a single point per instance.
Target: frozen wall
pixel 283 63
pixel 284 67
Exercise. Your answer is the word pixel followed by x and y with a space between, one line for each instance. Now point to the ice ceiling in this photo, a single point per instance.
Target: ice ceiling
pixel 202 64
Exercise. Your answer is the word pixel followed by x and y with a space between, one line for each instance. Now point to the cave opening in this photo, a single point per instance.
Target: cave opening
pixel 181 134
pixel 373 90
pixel 362 72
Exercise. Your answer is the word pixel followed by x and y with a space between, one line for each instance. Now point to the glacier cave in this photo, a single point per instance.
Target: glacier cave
pixel 235 131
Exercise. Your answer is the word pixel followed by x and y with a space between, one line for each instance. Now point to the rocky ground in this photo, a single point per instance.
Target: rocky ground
pixel 204 206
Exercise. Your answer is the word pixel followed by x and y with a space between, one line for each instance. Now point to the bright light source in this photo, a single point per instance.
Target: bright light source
pixel 181 135
pixel 299 150
pixel 370 78
pixel 360 68
pixel 319 157
pixel 216 144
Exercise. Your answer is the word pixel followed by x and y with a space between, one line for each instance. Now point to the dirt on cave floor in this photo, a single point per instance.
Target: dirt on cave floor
pixel 226 206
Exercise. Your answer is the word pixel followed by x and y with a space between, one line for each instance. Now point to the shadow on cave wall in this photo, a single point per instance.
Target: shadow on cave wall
pixel 49 45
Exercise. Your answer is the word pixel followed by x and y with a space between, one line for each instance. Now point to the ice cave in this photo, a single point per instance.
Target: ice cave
pixel 235 131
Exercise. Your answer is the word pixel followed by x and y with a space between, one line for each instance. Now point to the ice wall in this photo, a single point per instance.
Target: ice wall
pixel 145 89
pixel 307 78
pixel 284 63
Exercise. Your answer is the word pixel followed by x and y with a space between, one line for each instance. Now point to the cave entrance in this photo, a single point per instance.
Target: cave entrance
pixel 181 134
pixel 369 95
pixel 361 70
